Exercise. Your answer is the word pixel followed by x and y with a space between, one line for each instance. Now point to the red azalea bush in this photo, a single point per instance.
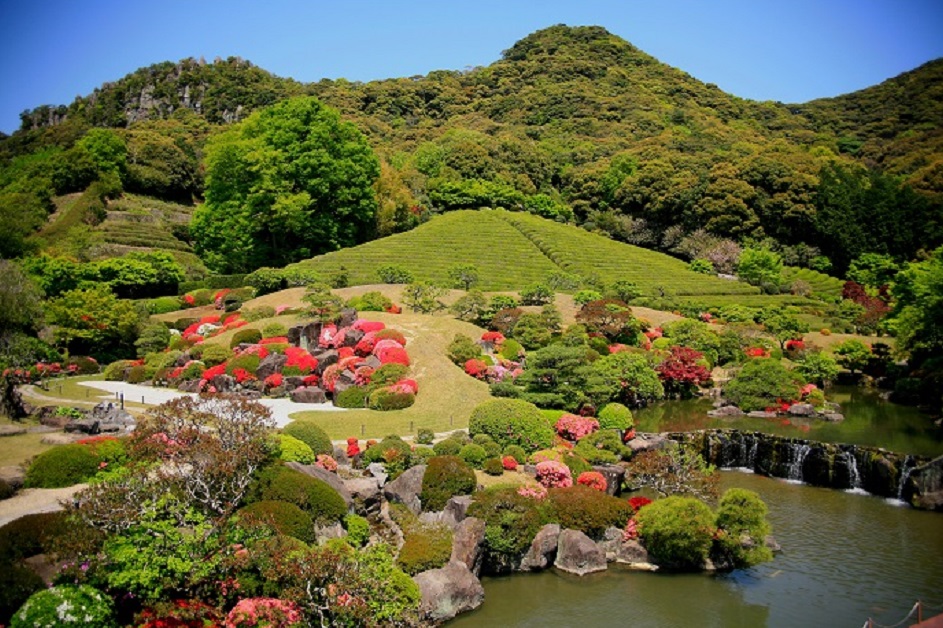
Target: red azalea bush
pixel 592 479
pixel 310 380
pixel 368 326
pixel 330 375
pixel 274 340
pixel 509 463
pixel 795 345
pixel 394 309
pixel 301 359
pixel 493 337
pixel 345 352
pixel 180 614
pixel 274 380
pixel 261 611
pixel 756 352
pixel 476 368
pixel 327 335
pixel 393 355
pixel 575 427
pixel 405 386
pixel 255 349
pixel 213 371
pixel 366 344
pixel 553 474
pixel 538 492
pixel 242 375
pixel 637 503
pixel 353 447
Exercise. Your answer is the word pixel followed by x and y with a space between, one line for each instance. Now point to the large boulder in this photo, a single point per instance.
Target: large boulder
pixel 271 364
pixel 406 488
pixel 614 475
pixel 325 359
pixel 308 394
pixel 456 510
pixel 347 317
pixel 366 494
pixel 726 411
pixel 223 383
pixel 802 409
pixel 468 540
pixel 448 591
pixel 646 442
pixel 327 477
pixel 622 551
pixel 352 337
pixel 378 471
pixel 543 549
pixel 578 554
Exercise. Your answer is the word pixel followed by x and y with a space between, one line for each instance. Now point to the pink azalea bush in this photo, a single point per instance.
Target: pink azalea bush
pixel 553 474
pixel 262 611
pixel 533 492
pixel 326 462
pixel 575 427
pixel 592 479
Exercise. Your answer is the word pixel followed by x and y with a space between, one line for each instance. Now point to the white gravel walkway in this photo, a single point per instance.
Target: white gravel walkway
pixel 282 409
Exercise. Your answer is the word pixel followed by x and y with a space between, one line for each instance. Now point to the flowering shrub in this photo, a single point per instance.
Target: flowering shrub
pixel 353 447
pixel 405 386
pixel 326 462
pixel 180 614
pixel 366 344
pixel 538 492
pixel 592 479
pixel 274 380
pixel 631 530
pixel 368 326
pixel 391 334
pixel 345 352
pixel 64 606
pixel 268 612
pixel 553 474
pixel 393 355
pixel 210 373
pixel 188 300
pixel 574 427
pixel 330 375
pixel 242 375
pixel 756 352
pixel 509 463
pixel 637 503
pixel 274 340
pixel 476 368
pixel 301 359
pixel 327 335
pixel 653 333
pixel 492 337
pixel 794 345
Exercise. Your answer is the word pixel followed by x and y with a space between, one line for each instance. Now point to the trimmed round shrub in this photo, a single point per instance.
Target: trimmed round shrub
pixel 391 334
pixel 247 361
pixel 358 529
pixel 511 350
pixel 615 416
pixel 66 605
pixel 214 354
pixel 64 465
pixel 425 436
pixel 587 510
pixel 602 447
pixel 284 518
pixel 353 397
pixel 447 447
pixel 677 531
pixel 517 452
pixel 473 454
pixel 511 523
pixel 117 371
pixel 462 349
pixel 17 584
pixel 378 452
pixel 445 477
pixel 425 547
pixel 295 450
pixel 274 330
pixel 312 435
pixel 511 422
pixel 740 513
pixel 385 399
pixel 316 497
pixel 493 466
pixel 387 375
pixel 422 455
pixel 247 336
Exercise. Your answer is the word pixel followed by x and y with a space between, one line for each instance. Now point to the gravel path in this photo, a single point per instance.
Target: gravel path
pixel 282 409
pixel 32 500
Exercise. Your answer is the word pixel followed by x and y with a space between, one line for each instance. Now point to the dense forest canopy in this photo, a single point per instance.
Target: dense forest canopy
pixel 572 123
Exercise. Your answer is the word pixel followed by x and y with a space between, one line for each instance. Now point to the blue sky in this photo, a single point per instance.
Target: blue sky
pixel 789 50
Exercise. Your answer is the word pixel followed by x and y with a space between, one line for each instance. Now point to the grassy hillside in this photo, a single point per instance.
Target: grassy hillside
pixel 515 250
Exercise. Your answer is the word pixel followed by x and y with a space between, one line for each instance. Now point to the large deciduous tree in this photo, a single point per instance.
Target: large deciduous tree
pixel 292 181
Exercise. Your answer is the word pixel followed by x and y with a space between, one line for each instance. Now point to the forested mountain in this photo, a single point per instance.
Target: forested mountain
pixel 572 123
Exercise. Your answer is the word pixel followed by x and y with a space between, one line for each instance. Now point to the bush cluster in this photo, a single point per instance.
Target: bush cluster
pixel 317 498
pixel 247 336
pixel 64 465
pixel 284 518
pixel 295 450
pixel 512 422
pixel 312 435
pixel 67 605
pixel 677 531
pixel 511 523
pixel 615 416
pixel 445 477
pixel 425 547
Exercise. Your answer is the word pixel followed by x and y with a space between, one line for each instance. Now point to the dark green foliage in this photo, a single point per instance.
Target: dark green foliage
pixel 313 435
pixel 602 447
pixel 742 513
pixel 445 477
pixel 32 534
pixel 576 463
pixel 353 397
pixel 587 510
pixel 17 584
pixel 425 547
pixel 615 416
pixel 6 490
pixel 283 517
pixel 394 274
pixel 511 523
pixel 677 531
pixel 462 348
pixel 473 454
pixel 447 447
pixel 63 465
pixel 493 466
pixel 762 383
pixel 387 375
pixel 247 336
pixel 511 422
pixel 321 502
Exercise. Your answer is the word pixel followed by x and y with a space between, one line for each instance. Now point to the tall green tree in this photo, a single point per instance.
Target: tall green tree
pixel 292 181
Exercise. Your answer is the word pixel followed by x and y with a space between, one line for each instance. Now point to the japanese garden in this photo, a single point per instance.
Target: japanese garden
pixel 571 337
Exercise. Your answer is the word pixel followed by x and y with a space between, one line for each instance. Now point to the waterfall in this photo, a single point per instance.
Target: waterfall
pixel 751 455
pixel 909 465
pixel 797 454
pixel 854 477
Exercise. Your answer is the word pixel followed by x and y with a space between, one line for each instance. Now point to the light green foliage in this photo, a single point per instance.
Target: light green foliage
pixel 370 302
pixel 423 298
pixel 20 299
pixel 425 547
pixel 585 296
pixel 313 435
pixel 628 377
pixel 316 497
pixel 625 291
pixel 818 367
pixel 469 307
pixel 701 266
pixel 615 416
pixel 760 267
pixel 511 422
pixel 107 150
pixel 322 304
pixel 537 294
pixel 785 326
pixel 93 322
pixel 853 354
pixel 742 513
pixel 602 447
pixel 873 270
pixel 290 181
pixel 464 276
pixel 274 330
pixel 694 335
pixel 215 354
pixel 394 596
pixel 918 315
pixel 295 450
pixel 473 454
pixel 677 531
pixel 67 605
pixel 760 384
pixel 511 522
pixel 358 529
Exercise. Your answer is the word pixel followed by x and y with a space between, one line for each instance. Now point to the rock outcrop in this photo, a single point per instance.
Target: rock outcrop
pixel 578 554
pixel 448 591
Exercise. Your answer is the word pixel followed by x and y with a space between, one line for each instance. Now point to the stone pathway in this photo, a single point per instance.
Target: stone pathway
pixel 33 500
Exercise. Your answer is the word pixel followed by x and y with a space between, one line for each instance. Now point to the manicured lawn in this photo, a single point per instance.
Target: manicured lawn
pixel 15 450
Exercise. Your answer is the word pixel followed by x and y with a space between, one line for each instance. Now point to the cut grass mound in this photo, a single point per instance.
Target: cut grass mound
pixel 515 250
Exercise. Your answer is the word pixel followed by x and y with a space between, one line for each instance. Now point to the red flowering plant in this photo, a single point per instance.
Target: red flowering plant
pixel 476 368
pixel 509 463
pixel 274 380
pixel 366 344
pixel 300 359
pixel 592 479
pixel 682 370
pixel 492 338
pixel 242 376
pixel 756 352
pixel 310 380
pixel 274 340
pixel 393 355
pixel 353 447
pixel 653 333
pixel 639 502
pixel 394 309
pixel 363 374
pixel 188 300
pixel 575 427
pixel 368 326
pixel 213 371
pixel 405 386
pixel 553 474
pixel 345 352
pixel 179 614
pixel 327 335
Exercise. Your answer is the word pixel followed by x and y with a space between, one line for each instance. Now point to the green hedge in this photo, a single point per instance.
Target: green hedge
pixel 677 531
pixel 425 547
pixel 587 510
pixel 64 465
pixel 212 282
pixel 512 422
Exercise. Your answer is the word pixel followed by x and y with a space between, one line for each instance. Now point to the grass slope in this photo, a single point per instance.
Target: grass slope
pixel 515 250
